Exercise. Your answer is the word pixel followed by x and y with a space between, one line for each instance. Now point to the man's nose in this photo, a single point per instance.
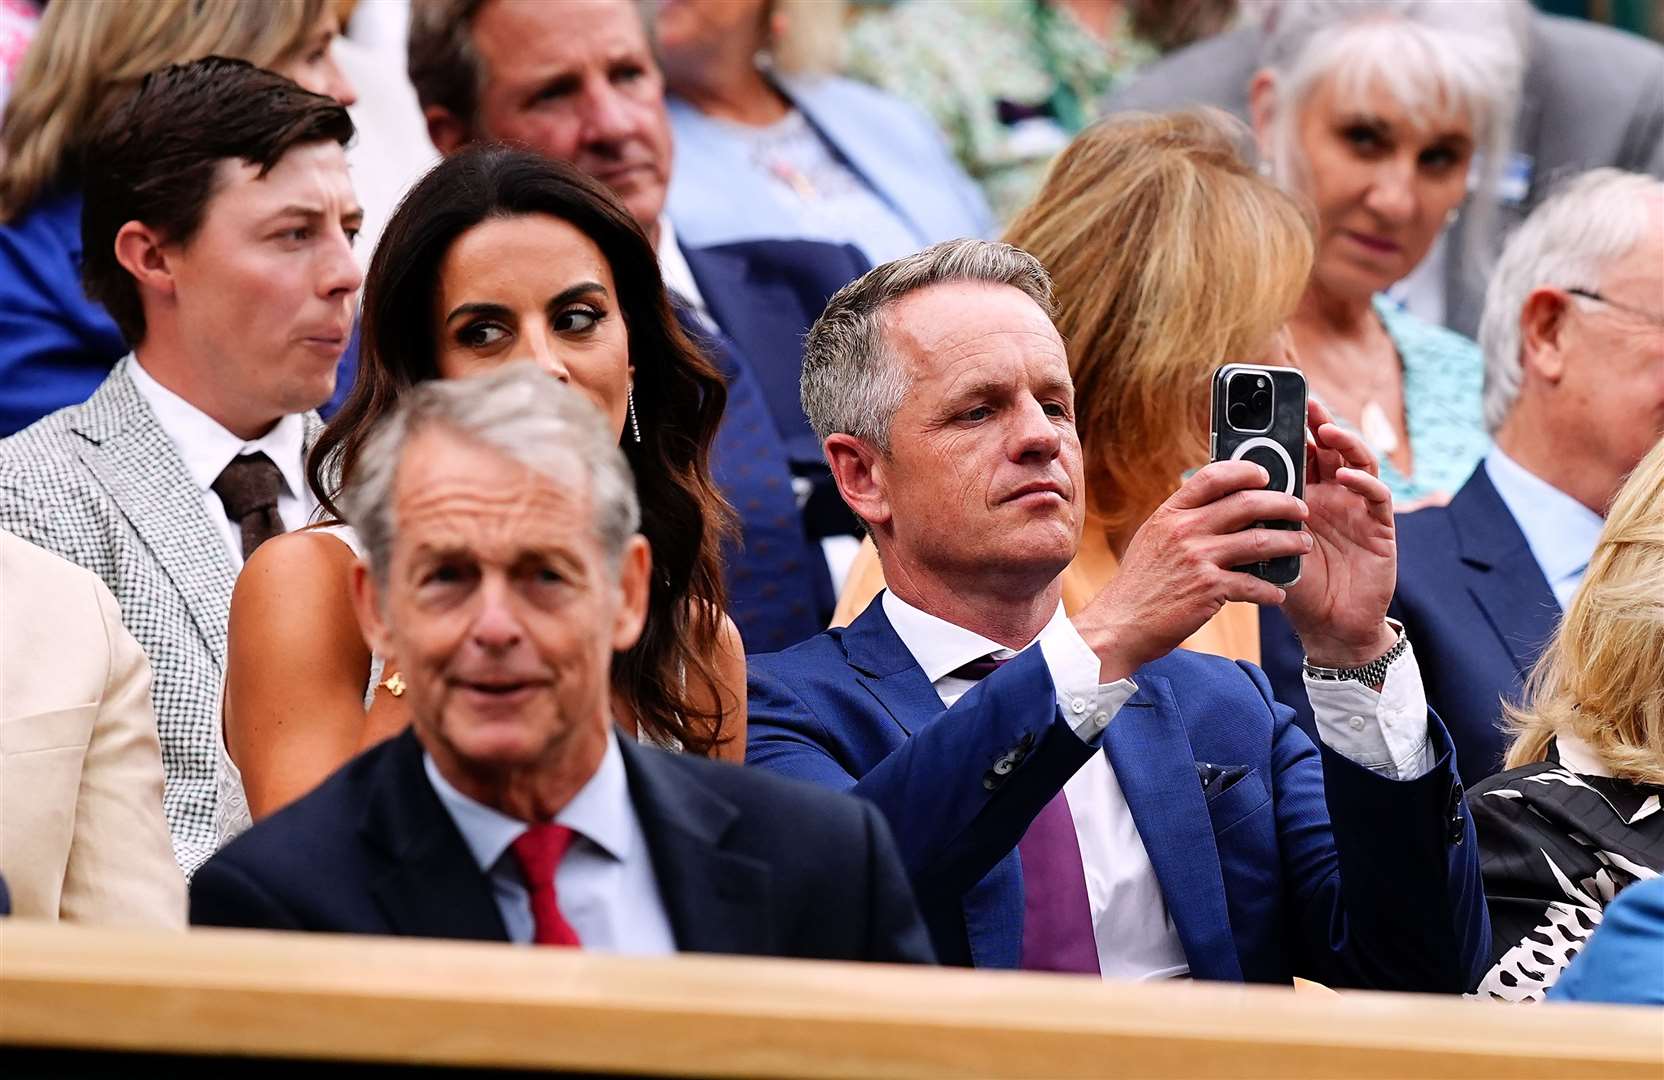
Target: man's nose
pixel 608 118
pixel 1035 433
pixel 341 271
pixel 496 626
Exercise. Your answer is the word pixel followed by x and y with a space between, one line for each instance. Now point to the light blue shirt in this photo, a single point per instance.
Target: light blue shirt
pixel 1561 532
pixel 1443 379
pixel 605 885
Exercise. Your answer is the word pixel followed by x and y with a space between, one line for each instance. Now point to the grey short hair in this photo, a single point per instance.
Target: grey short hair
pixel 1426 53
pixel 1568 242
pixel 851 380
pixel 518 411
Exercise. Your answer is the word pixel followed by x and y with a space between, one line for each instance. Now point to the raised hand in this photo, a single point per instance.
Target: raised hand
pixel 1339 605
pixel 1177 571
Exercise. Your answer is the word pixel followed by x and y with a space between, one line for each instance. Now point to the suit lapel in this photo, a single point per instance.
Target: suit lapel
pixel 431 886
pixel 1156 769
pixel 718 901
pixel 141 471
pixel 1504 578
pixel 887 670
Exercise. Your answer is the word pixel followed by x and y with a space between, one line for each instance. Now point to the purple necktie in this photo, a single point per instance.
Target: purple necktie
pixel 1057 919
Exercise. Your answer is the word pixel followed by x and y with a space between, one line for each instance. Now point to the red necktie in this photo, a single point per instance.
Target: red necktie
pixel 539 850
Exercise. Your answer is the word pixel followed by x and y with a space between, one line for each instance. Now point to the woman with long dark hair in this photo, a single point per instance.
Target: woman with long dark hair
pixel 495 256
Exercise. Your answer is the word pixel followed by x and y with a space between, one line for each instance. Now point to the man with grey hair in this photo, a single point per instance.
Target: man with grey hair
pixel 1573 336
pixel 505 571
pixel 1073 791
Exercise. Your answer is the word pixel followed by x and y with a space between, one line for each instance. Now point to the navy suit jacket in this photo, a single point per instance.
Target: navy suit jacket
pixel 1307 865
pixel 763 296
pixel 1474 604
pixel 745 864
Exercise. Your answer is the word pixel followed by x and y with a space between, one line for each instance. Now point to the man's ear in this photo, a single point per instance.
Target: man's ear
pixel 1542 325
pixel 141 252
pixel 445 131
pixel 366 605
pixel 858 469
pixel 1262 109
pixel 635 581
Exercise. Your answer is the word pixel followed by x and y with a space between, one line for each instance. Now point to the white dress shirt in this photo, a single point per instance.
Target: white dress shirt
pixel 207 448
pixel 1131 925
pixel 605 885
pixel 1561 532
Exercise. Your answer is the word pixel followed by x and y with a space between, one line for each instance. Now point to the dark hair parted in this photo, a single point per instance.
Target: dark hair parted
pixel 679 398
pixel 156 159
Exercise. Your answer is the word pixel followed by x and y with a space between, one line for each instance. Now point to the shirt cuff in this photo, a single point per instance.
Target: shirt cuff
pixel 1384 732
pixel 1088 704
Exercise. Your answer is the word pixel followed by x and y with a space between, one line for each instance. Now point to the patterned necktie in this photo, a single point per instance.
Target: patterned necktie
pixel 539 850
pixel 1057 916
pixel 248 487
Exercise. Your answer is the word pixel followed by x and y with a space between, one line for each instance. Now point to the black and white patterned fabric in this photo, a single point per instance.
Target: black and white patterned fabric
pixel 1555 847
pixel 101 485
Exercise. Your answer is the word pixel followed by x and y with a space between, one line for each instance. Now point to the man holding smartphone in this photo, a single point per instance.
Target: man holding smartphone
pixel 1107 802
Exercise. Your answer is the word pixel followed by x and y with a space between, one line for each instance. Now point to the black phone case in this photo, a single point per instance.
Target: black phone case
pixel 1281 451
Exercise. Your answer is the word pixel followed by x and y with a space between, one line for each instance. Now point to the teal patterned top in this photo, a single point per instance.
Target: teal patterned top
pixel 1009 82
pixel 1443 376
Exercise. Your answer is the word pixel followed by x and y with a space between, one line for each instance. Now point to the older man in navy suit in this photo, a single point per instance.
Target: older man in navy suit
pixel 505 571
pixel 1074 792
pixel 577 81
pixel 1573 336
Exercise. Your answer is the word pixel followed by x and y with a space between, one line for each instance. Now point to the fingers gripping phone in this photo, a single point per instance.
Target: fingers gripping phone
pixel 1259 415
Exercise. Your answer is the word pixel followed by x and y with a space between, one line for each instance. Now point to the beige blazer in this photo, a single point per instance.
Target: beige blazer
pixel 82 836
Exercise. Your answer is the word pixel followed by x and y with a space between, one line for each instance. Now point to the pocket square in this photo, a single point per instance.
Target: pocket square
pixel 1218 779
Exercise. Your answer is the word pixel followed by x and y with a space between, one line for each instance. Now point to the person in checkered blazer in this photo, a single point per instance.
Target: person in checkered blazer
pixel 218 230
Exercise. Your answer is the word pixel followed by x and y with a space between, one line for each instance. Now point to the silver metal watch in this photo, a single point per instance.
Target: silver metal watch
pixel 1373 673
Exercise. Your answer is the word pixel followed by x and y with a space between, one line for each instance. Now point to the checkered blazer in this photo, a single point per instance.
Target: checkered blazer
pixel 103 486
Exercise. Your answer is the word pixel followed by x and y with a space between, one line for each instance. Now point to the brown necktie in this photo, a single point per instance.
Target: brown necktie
pixel 249 487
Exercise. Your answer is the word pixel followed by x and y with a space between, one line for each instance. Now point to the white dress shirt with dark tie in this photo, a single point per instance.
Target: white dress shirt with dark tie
pixel 1385 732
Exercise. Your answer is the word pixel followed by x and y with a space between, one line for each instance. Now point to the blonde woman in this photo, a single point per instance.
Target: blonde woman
pixel 770 143
pixel 1578 816
pixel 1169 256
pixel 56 346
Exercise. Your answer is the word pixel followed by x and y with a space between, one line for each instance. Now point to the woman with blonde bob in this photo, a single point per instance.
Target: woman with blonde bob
pixel 56 346
pixel 1169 256
pixel 1577 817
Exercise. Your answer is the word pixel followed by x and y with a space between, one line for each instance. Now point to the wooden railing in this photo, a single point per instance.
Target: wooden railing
pixel 73 995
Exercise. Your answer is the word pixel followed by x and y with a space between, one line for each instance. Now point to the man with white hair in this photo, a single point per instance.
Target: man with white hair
pixel 1573 336
pixel 505 570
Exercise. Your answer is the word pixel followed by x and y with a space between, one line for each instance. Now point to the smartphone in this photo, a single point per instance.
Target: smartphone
pixel 1259 415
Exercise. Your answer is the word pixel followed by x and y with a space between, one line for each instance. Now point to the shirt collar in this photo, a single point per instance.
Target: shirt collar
pixel 207 448
pixel 1561 532
pixel 674 268
pixel 1578 756
pixel 941 647
pixel 598 812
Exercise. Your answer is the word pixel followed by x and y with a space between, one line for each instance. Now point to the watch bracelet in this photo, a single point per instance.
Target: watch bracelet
pixel 1373 673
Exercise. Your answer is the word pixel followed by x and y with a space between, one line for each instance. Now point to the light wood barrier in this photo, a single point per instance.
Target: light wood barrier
pixel 216 995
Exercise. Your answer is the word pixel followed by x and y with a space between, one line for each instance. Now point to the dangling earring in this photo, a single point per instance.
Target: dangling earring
pixel 1451 216
pixel 635 425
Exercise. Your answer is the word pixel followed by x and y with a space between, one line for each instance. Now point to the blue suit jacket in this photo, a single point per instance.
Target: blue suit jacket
pixel 1474 604
pixel 1307 865
pixel 763 297
pixel 719 194
pixel 745 863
